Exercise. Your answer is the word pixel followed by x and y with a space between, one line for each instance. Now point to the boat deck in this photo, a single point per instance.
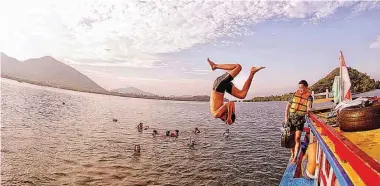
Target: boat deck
pixel 357 152
pixel 354 177
pixel 367 141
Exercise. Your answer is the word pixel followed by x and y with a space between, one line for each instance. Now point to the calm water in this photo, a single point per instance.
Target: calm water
pixel 44 142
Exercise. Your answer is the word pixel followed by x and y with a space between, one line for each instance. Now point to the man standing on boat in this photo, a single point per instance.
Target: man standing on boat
pixel 299 105
pixel 222 84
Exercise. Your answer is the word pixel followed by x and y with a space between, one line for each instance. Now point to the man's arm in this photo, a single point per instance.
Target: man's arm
pixel 287 108
pixel 231 109
pixel 287 112
pixel 309 106
pixel 220 111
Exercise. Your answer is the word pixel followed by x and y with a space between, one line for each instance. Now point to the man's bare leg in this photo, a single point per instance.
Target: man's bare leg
pixel 292 153
pixel 297 146
pixel 221 66
pixel 241 94
pixel 233 69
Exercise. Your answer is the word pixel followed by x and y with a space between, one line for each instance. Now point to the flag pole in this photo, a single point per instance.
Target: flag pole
pixel 340 78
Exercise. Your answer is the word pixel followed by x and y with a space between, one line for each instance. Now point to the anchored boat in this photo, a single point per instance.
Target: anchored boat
pixel 347 153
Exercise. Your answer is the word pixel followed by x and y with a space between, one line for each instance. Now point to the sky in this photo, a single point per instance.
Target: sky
pixel 162 46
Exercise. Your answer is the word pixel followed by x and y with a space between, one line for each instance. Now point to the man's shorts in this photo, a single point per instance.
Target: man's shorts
pixel 296 122
pixel 223 83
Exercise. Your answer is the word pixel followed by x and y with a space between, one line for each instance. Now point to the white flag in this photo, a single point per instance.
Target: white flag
pixel 345 80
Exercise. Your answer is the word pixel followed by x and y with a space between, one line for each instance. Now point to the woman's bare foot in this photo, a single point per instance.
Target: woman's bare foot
pixel 256 69
pixel 212 64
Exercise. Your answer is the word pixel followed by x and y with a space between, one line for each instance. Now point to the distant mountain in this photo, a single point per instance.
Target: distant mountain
pixel 47 71
pixel 132 90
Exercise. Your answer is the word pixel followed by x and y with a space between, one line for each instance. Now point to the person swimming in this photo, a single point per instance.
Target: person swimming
pixel 227 133
pixel 140 126
pixel 172 134
pixel 197 130
pixel 154 133
pixel 137 149
pixel 191 143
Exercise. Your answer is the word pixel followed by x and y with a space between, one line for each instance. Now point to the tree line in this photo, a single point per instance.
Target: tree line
pixel 360 82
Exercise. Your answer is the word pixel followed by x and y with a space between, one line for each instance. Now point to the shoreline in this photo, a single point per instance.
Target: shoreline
pixel 203 98
pixel 108 93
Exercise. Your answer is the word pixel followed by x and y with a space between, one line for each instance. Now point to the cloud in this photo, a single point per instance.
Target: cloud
pixel 194 72
pixel 192 69
pixel 136 32
pixel 375 44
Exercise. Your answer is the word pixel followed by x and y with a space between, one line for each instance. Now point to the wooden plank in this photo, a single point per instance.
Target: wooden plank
pixel 288 179
pixel 321 94
pixel 322 109
pixel 323 100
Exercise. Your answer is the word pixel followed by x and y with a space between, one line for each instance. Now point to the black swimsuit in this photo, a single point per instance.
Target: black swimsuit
pixel 223 83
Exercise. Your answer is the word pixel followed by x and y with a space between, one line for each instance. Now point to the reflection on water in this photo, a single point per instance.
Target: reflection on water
pixel 46 142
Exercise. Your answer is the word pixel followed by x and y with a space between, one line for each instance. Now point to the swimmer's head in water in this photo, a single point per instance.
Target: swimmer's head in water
pixel 197 130
pixel 167 133
pixel 137 148
pixel 177 131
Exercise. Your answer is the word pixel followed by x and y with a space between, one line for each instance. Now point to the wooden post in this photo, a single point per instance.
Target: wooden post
pixel 327 93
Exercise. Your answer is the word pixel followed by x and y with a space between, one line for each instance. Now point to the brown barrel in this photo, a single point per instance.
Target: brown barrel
pixel 360 119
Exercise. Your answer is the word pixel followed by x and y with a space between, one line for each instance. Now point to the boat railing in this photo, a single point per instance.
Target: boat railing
pixel 327 94
pixel 328 170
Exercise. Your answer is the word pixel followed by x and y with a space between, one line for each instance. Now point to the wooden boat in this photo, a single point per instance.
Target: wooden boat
pixel 348 154
pixel 347 158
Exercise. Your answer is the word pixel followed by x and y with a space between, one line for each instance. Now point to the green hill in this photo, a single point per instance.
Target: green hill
pixel 360 83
